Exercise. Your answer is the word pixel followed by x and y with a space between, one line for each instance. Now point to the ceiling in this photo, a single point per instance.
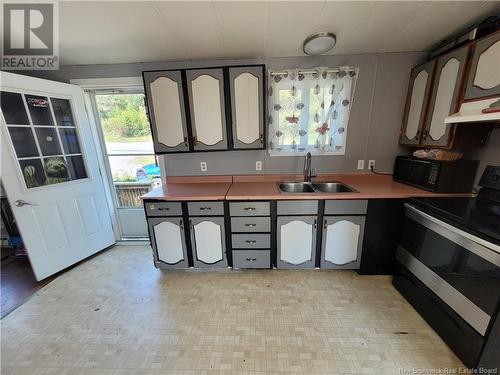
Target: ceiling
pixel 138 31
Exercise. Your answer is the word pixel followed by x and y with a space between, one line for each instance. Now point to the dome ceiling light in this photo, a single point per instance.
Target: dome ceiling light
pixel 319 43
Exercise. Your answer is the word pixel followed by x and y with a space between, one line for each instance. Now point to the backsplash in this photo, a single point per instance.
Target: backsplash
pixel 488 155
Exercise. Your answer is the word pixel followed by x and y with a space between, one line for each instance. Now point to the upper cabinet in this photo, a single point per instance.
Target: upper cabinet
pixel 416 103
pixel 247 106
pixel 206 109
pixel 167 114
pixel 444 97
pixel 484 75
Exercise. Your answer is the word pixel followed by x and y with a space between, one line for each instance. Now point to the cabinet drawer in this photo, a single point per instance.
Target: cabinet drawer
pixel 163 208
pixel 249 224
pixel 297 207
pixel 249 208
pixel 345 207
pixel 251 258
pixel 205 208
pixel 251 241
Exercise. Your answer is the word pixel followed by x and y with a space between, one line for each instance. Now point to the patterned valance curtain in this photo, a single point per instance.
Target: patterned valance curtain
pixel 309 110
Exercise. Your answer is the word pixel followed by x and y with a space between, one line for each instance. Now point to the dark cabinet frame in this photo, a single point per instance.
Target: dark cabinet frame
pixel 186 111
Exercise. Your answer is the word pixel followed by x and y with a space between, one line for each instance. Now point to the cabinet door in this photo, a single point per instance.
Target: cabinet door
pixel 416 103
pixel 168 243
pixel 208 241
pixel 342 241
pixel 167 114
pixel 445 97
pixel 247 106
pixel 484 75
pixel 207 108
pixel 296 241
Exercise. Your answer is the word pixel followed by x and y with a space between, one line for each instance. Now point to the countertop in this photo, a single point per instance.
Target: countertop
pixel 265 187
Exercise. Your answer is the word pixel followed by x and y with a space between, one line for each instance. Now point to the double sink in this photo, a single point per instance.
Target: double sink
pixel 314 187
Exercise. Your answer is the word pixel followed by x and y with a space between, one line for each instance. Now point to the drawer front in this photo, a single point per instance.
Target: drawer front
pixel 346 207
pixel 205 208
pixel 249 208
pixel 251 241
pixel 251 258
pixel 163 208
pixel 250 224
pixel 297 207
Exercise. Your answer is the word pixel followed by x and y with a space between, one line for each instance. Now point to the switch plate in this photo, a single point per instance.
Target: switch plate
pixel 258 165
pixel 203 166
pixel 371 164
pixel 361 164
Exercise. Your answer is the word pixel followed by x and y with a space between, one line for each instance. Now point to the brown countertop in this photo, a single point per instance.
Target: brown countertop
pixel 264 187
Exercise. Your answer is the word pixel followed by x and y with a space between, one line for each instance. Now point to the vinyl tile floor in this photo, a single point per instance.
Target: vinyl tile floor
pixel 117 314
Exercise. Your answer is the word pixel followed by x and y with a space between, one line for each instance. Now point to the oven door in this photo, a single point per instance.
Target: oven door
pixel 461 269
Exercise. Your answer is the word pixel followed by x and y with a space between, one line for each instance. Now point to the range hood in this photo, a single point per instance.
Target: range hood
pixel 472 112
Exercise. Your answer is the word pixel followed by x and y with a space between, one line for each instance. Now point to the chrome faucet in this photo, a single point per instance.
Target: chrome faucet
pixel 308 171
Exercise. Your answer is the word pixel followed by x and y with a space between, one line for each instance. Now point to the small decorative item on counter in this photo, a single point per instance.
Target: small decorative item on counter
pixel 437 154
pixel 493 107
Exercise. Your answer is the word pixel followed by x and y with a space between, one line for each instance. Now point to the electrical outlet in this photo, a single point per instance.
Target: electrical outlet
pixel 371 164
pixel 361 164
pixel 258 165
pixel 203 166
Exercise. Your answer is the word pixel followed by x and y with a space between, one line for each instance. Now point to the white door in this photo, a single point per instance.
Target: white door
pixel 50 173
pixel 296 242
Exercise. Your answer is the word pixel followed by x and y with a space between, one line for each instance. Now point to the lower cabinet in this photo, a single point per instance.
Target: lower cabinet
pixel 168 242
pixel 342 241
pixel 208 241
pixel 259 258
pixel 296 241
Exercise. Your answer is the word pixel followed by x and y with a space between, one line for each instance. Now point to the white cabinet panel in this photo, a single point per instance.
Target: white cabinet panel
pixel 167 111
pixel 208 241
pixel 296 242
pixel 444 98
pixel 168 238
pixel 416 104
pixel 207 107
pixel 488 68
pixel 342 241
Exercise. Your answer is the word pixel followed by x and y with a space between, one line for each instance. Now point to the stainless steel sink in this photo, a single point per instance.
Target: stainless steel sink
pixel 316 187
pixel 295 187
pixel 332 187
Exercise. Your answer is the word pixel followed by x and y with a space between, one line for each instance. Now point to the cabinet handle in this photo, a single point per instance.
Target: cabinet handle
pixel 261 138
pixel 181 224
pixel 426 133
pixel 325 224
pixel 205 208
pixel 163 209
pixel 251 259
pixel 250 225
pixel 186 142
pixel 315 223
pixel 195 141
pixel 190 224
pixel 251 241
pixel 249 208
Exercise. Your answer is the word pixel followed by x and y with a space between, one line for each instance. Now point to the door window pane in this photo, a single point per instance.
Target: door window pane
pixel 69 139
pixel 48 141
pixel 33 172
pixel 13 108
pixel 56 170
pixel 62 112
pixel 76 167
pixel 39 110
pixel 23 141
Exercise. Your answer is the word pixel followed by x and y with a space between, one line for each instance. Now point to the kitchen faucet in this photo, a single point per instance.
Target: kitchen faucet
pixel 308 171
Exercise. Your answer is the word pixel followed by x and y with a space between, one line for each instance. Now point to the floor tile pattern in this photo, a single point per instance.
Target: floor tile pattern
pixel 117 314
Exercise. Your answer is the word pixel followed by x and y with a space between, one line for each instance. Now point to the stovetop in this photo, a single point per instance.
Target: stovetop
pixel 472 215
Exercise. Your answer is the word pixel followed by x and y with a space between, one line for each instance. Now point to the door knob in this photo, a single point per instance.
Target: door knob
pixel 21 203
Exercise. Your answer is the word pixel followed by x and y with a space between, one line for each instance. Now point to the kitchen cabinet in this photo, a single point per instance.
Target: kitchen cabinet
pixel 296 241
pixel 168 242
pixel 246 85
pixel 192 110
pixel 445 97
pixel 208 241
pixel 484 75
pixel 342 241
pixel 207 108
pixel 165 98
pixel 416 103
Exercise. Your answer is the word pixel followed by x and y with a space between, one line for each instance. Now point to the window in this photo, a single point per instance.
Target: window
pixel 309 110
pixel 129 146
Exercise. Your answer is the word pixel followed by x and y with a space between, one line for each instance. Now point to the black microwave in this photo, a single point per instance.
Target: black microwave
pixel 455 176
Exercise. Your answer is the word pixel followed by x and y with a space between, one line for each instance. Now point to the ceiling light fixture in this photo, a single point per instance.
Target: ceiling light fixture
pixel 319 43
